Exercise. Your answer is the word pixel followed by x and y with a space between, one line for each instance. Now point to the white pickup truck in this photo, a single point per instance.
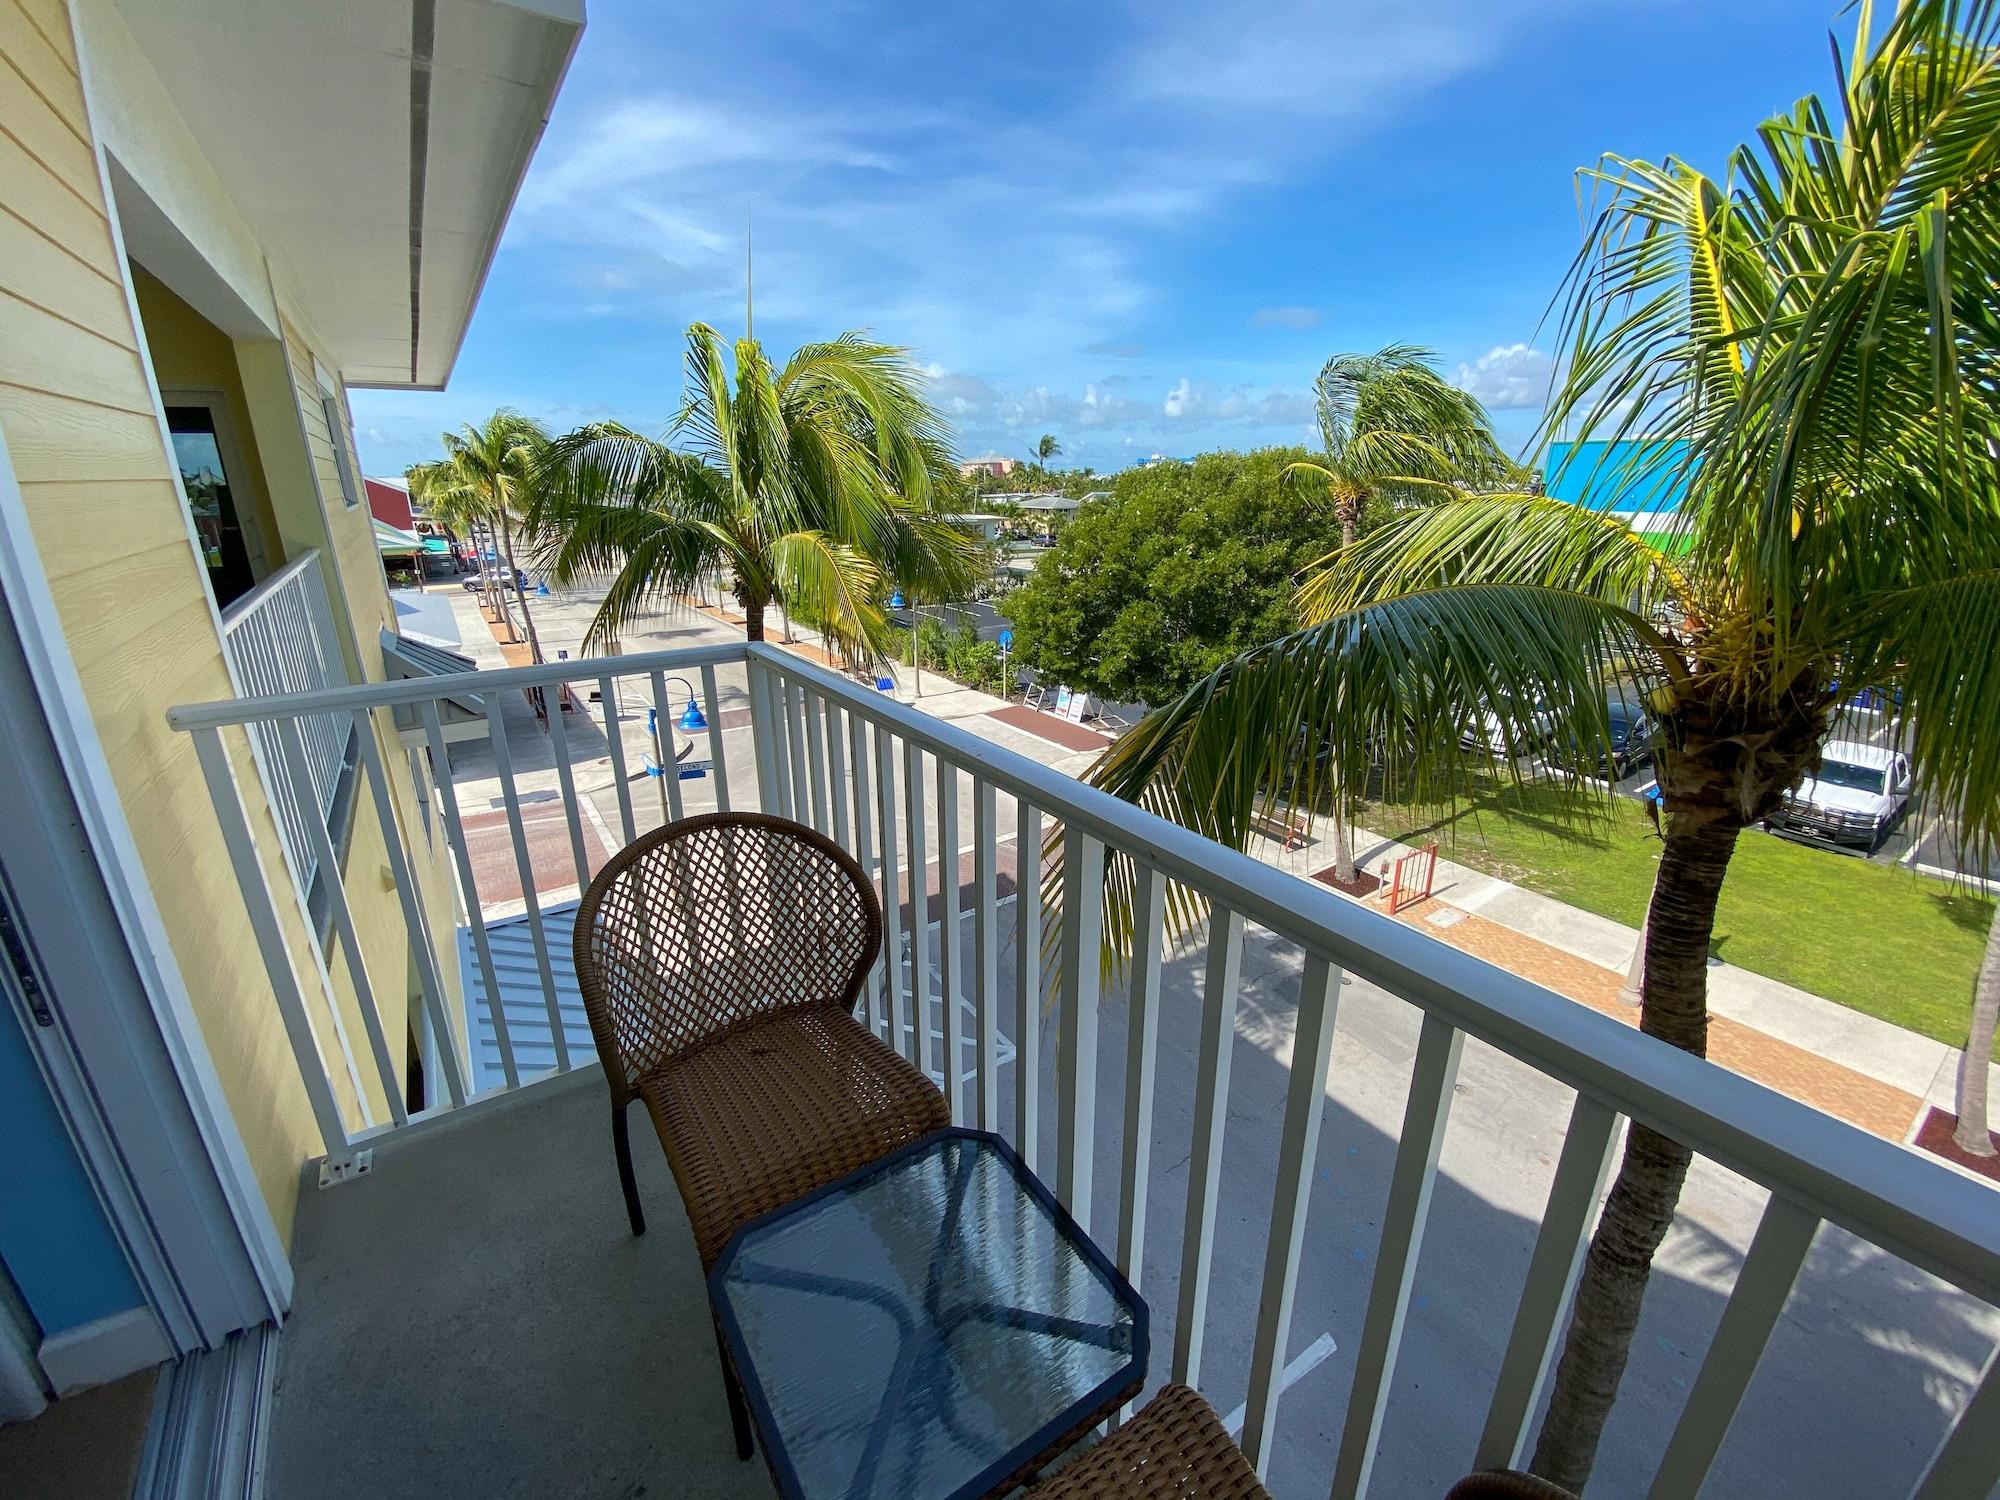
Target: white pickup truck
pixel 1859 791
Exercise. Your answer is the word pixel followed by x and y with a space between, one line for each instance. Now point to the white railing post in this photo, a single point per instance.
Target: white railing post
pixel 1220 981
pixel 1298 1154
pixel 892 896
pixel 1439 1046
pixel 950 945
pixel 1581 1171
pixel 986 950
pixel 765 729
pixel 213 757
pixel 1764 1281
pixel 919 923
pixel 1076 1054
pixel 1027 980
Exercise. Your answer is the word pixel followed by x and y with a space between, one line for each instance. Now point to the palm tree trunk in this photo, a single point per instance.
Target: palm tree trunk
pixel 496 596
pixel 1641 1204
pixel 753 618
pixel 514 582
pixel 1972 1134
pixel 1343 844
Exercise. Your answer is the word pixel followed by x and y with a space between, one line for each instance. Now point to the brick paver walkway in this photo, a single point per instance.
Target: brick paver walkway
pixel 1049 727
pixel 1879 1108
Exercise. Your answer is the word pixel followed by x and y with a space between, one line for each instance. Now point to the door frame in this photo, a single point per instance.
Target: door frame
pixel 125 1058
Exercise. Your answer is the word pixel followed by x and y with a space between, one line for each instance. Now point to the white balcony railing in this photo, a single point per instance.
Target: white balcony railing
pixel 280 638
pixel 892 785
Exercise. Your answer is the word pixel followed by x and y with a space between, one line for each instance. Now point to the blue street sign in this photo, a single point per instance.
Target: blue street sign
pixel 896 599
pixel 1006 640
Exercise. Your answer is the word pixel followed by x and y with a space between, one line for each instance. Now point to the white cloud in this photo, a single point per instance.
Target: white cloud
pixel 1510 377
pixel 1197 404
pixel 1287 317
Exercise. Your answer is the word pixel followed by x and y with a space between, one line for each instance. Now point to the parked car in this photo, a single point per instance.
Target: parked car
pixel 1857 794
pixel 477 581
pixel 1484 732
pixel 1630 738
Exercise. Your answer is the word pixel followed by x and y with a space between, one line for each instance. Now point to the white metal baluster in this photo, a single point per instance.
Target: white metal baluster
pixel 836 777
pixel 1966 1461
pixel 815 724
pixel 781 747
pixel 430 982
pixel 920 906
pixel 482 947
pixel 864 854
pixel 503 763
pixel 669 765
pixel 950 938
pixel 764 735
pixel 1581 1169
pixel 718 766
pixel 892 900
pixel 1438 1049
pixel 1298 1155
pixel 614 733
pixel 796 709
pixel 1142 1049
pixel 1027 980
pixel 268 928
pixel 572 814
pixel 986 951
pixel 1220 980
pixel 1777 1250
pixel 1076 1037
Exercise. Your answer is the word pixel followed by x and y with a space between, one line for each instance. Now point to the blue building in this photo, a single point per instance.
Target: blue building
pixel 1641 480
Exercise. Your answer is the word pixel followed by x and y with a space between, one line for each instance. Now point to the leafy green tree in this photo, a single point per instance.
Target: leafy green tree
pixel 815 486
pixel 1183 567
pixel 487 481
pixel 1819 327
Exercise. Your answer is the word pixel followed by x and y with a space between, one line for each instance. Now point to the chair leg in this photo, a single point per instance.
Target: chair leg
pixel 739 1409
pixel 621 1141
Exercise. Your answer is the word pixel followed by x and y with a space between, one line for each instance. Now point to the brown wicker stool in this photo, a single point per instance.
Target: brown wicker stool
pixel 720 958
pixel 1506 1484
pixel 1175 1449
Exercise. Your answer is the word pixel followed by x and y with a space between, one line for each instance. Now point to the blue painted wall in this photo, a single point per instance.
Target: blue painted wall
pixel 1634 474
pixel 54 1237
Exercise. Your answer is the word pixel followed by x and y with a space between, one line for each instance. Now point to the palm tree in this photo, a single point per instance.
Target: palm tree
pixel 1818 328
pixel 1392 427
pixel 486 480
pixel 1046 449
pixel 815 486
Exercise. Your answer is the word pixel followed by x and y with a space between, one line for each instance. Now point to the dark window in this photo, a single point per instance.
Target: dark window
pixel 206 486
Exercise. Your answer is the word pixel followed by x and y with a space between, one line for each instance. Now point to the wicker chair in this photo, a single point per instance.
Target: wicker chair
pixel 720 958
pixel 1506 1484
pixel 1176 1448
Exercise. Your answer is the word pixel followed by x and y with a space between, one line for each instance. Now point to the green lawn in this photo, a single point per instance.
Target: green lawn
pixel 1880 939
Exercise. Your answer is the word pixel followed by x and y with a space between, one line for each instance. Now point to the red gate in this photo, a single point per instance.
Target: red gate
pixel 1410 878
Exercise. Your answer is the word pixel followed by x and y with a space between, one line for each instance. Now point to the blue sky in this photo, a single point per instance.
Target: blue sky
pixel 1140 227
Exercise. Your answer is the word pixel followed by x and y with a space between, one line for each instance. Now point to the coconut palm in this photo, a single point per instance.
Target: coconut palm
pixel 1392 427
pixel 1818 327
pixel 814 486
pixel 1973 1134
pixel 486 481
pixel 1047 448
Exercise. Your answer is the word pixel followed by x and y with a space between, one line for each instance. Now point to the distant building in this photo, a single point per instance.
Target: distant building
pixel 389 503
pixel 990 463
pixel 1639 480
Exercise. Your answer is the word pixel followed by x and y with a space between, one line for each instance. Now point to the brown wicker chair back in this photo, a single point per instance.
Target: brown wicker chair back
pixel 714 923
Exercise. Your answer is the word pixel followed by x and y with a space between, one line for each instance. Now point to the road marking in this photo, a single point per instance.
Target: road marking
pixel 1310 1358
pixel 1909 856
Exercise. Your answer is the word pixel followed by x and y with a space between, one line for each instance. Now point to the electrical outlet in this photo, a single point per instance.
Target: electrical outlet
pixel 334 1173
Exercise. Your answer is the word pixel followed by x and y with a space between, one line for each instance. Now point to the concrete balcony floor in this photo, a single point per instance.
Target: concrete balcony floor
pixel 475 1318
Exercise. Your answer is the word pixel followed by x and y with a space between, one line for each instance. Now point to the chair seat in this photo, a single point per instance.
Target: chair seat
pixel 769 1112
pixel 1175 1449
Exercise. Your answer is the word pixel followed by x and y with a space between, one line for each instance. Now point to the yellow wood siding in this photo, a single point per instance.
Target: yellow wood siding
pixel 77 411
